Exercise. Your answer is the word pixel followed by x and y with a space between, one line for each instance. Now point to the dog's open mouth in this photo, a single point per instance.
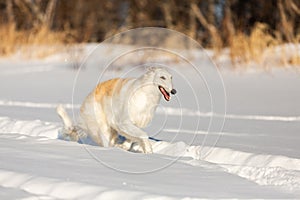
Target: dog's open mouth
pixel 165 93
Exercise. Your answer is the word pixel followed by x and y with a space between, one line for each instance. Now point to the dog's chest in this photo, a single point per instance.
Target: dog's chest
pixel 142 107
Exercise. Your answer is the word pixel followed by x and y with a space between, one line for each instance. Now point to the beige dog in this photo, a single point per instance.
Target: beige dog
pixel 122 106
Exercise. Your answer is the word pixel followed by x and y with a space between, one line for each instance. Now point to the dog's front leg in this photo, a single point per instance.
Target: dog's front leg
pixel 147 148
pixel 132 132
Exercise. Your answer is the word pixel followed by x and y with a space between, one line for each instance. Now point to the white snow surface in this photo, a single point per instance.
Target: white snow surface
pixel 253 155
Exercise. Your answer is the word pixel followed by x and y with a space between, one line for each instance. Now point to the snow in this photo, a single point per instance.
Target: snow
pixel 240 141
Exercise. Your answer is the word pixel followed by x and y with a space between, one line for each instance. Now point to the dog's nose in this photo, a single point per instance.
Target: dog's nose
pixel 173 91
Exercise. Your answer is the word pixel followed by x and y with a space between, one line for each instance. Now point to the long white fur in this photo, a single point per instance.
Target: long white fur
pixel 123 107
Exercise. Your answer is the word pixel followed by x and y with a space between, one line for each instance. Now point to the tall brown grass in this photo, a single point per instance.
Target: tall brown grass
pixel 244 48
pixel 9 37
pixel 35 42
pixel 295 57
pixel 263 47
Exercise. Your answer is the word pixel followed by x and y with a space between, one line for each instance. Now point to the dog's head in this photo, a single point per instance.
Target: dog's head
pixel 162 79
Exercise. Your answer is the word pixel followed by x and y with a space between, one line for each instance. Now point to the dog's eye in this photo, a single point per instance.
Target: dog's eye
pixel 163 78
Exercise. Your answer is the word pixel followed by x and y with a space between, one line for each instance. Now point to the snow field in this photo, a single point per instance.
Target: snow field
pixel 254 155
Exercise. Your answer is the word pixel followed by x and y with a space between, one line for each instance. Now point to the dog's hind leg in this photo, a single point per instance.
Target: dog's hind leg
pixel 113 139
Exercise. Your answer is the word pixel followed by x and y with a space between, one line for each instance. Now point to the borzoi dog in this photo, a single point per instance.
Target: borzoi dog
pixel 122 107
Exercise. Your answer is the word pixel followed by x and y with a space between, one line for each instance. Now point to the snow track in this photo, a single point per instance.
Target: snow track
pixel 35 105
pixel 271 170
pixel 29 128
pixel 268 176
pixel 166 110
pixel 266 170
pixel 58 189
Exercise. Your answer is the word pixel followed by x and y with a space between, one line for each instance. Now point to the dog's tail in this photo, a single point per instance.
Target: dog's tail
pixel 62 113
pixel 69 131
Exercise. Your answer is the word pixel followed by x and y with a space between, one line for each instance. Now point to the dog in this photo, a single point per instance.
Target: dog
pixel 122 106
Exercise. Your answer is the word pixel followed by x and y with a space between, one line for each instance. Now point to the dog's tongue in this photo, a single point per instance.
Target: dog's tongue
pixel 165 93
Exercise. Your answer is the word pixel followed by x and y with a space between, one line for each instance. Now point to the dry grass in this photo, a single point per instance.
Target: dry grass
pixel 261 46
pixel 264 48
pixel 240 49
pixel 295 57
pixel 8 37
pixel 295 60
pixel 245 49
pixel 36 42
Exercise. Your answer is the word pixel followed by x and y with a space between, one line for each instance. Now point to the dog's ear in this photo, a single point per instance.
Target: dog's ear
pixel 150 68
